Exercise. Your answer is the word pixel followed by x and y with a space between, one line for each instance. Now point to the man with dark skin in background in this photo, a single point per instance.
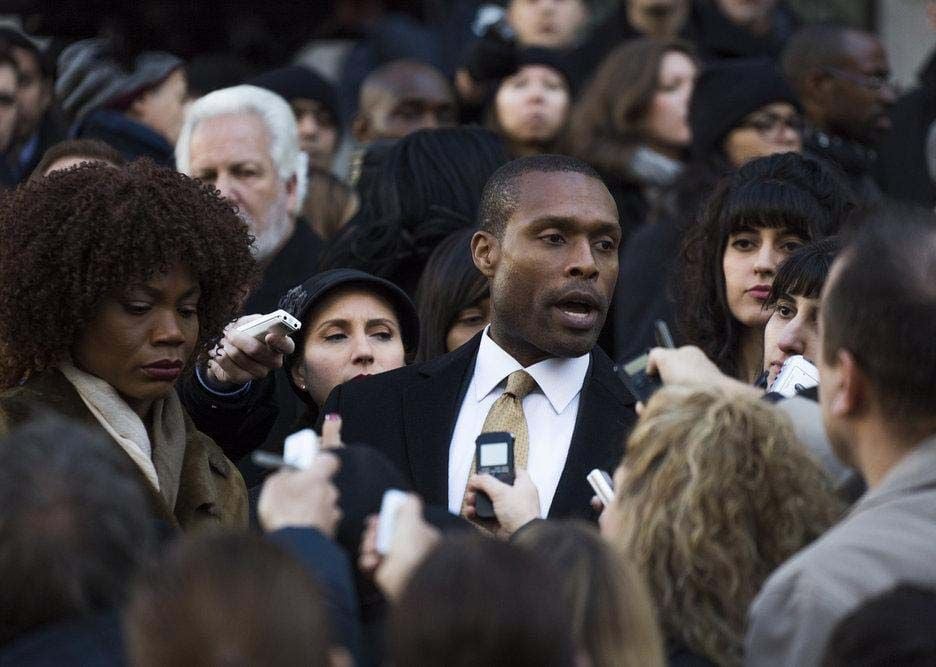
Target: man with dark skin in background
pixel 547 244
pixel 401 97
pixel 842 78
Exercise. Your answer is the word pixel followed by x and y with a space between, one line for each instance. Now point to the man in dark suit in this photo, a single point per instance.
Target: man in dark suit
pixel 547 243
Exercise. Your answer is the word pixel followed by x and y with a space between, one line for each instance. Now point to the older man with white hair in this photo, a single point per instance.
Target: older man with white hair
pixel 244 141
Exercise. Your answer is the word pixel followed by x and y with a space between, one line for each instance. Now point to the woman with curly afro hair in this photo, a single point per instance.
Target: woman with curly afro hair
pixel 713 494
pixel 112 283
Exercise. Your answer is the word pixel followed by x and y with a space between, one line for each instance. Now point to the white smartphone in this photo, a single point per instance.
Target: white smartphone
pixel 279 321
pixel 601 482
pixel 796 375
pixel 386 524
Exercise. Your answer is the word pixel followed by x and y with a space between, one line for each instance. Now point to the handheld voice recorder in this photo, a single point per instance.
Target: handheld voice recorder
pixel 494 455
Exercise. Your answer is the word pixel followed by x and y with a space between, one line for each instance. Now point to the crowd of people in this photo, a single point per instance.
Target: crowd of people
pixel 688 243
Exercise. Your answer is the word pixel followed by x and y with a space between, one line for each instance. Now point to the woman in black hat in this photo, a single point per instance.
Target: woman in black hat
pixel 353 325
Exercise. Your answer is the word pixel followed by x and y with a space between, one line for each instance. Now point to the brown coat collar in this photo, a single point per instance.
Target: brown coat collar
pixel 211 489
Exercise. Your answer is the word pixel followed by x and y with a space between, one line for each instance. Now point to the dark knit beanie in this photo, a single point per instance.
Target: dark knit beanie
pixel 295 82
pixel 89 77
pixel 726 93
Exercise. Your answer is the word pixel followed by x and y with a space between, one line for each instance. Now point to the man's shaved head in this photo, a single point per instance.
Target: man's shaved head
pixel 401 97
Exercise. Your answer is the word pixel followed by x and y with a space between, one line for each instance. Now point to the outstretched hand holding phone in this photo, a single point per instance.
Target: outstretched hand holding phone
pixel 240 357
pixel 410 543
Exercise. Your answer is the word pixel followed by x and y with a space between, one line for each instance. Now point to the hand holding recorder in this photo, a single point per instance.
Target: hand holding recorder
pixel 303 498
pixel 514 505
pixel 252 346
pixel 396 542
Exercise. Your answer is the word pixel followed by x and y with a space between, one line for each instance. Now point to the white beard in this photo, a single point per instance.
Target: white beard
pixel 279 227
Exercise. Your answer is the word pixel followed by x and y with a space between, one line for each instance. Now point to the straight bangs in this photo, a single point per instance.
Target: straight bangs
pixel 804 272
pixel 773 204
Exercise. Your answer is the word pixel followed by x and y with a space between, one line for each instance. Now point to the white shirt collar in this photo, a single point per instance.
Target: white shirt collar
pixel 559 379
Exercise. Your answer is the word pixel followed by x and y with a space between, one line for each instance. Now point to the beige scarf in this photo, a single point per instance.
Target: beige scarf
pixel 157 452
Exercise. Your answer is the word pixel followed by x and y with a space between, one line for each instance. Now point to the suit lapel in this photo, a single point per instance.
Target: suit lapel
pixel 430 410
pixel 605 416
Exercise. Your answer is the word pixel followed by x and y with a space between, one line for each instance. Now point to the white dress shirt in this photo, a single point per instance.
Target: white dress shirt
pixel 550 409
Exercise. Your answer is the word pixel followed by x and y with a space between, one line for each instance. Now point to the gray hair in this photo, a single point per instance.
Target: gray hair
pixel 277 117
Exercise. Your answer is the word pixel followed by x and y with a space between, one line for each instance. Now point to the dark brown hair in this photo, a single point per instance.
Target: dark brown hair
pixel 881 307
pixel 613 618
pixel 79 236
pixel 226 599
pixel 780 191
pixel 327 202
pixel 479 601
pixel 90 149
pixel 449 284
pixel 607 121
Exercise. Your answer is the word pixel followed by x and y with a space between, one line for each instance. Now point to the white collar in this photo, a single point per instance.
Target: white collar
pixel 560 379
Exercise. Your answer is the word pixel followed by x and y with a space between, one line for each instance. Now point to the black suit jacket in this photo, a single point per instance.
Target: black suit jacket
pixel 410 415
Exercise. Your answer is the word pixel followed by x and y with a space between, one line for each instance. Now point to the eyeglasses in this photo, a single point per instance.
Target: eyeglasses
pixel 863 80
pixel 771 125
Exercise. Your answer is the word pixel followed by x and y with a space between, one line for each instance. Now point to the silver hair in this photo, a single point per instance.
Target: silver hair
pixel 276 115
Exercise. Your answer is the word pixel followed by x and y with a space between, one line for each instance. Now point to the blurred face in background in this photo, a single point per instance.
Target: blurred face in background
pixel 468 322
pixel 752 14
pixel 551 24
pixel 318 131
pixel 857 92
pixel 775 128
pixel 532 105
pixel 411 97
pixel 163 107
pixel 7 105
pixel 658 18
pixel 666 125
pixel 33 95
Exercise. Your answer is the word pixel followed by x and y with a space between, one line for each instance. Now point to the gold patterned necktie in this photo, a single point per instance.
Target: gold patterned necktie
pixel 507 415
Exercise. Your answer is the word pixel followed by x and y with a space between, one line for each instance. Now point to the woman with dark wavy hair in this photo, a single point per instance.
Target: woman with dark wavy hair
pixel 755 219
pixel 429 186
pixel 112 283
pixel 452 298
pixel 631 122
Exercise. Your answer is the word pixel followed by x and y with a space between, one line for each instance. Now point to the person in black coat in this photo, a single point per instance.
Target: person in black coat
pixel 548 246
pixel 136 108
pixel 903 156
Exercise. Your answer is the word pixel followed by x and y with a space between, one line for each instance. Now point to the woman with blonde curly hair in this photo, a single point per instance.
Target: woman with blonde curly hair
pixel 713 494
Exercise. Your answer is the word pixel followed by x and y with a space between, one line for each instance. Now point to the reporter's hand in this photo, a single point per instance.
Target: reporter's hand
pixel 514 506
pixel 412 540
pixel 689 367
pixel 304 498
pixel 240 358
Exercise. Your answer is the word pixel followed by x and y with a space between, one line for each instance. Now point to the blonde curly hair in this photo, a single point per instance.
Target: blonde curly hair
pixel 714 493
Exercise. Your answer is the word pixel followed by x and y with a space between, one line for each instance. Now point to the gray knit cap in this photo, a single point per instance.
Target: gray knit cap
pixel 90 78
